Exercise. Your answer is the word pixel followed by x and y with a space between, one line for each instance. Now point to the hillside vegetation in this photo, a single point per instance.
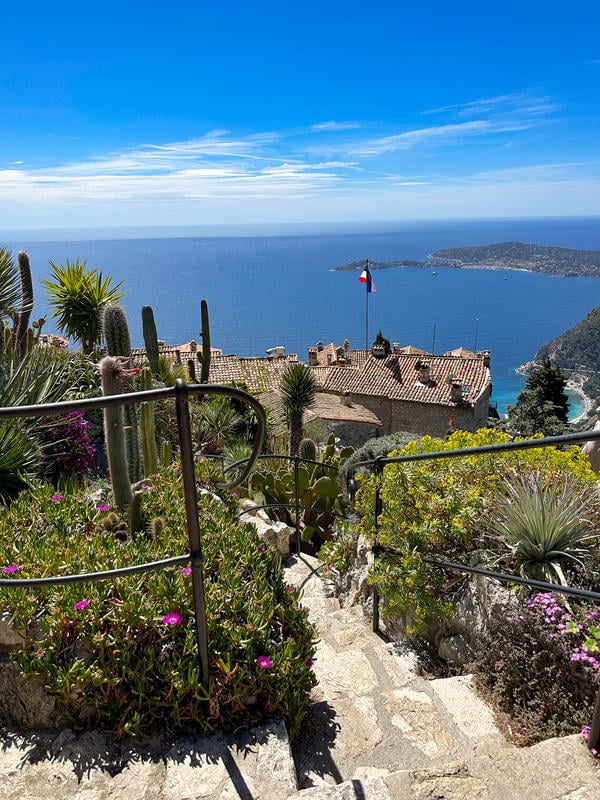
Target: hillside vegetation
pixel 532 257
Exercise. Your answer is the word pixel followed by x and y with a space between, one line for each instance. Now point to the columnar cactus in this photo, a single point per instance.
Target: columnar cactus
pixel 147 430
pixel 116 331
pixel 150 339
pixel 111 377
pixel 204 356
pixel 118 343
pixel 308 450
pixel 22 319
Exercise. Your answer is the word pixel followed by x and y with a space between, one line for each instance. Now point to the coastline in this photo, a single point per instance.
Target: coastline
pixel 574 386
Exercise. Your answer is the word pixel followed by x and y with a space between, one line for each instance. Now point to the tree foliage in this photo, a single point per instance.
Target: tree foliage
pixel 543 407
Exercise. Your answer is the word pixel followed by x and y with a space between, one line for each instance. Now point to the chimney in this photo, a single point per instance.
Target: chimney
pixel 328 359
pixel 396 348
pixel 486 358
pixel 193 346
pixel 312 357
pixel 319 346
pixel 424 372
pixel 346 345
pixel 456 392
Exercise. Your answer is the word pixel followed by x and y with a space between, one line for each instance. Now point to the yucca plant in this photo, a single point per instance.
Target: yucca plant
pixel 298 389
pixel 78 295
pixel 545 525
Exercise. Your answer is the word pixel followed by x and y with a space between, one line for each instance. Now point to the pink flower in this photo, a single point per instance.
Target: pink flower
pixel 264 662
pixel 186 570
pixel 12 568
pixel 173 618
pixel 81 604
pixel 102 508
pixel 291 588
pixel 56 497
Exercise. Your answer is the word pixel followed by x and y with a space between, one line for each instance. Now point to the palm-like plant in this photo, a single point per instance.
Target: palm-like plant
pixel 298 389
pixel 78 295
pixel 545 525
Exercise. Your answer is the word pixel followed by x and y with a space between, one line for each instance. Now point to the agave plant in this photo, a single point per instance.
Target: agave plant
pixel 39 378
pixel 545 525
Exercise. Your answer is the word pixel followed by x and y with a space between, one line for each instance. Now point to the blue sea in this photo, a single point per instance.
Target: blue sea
pixel 272 286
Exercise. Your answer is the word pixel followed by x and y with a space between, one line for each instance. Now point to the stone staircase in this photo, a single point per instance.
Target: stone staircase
pixel 376 731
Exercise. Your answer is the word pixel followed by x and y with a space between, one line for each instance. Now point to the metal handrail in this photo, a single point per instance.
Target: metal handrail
pixel 180 393
pixel 380 463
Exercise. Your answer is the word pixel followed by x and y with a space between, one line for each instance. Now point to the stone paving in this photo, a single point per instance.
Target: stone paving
pixel 376 731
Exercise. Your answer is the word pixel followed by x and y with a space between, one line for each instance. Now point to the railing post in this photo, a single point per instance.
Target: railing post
pixel 193 525
pixel 297 493
pixel 378 508
pixel 594 740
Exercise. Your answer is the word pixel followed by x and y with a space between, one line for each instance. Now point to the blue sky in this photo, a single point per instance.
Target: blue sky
pixel 198 112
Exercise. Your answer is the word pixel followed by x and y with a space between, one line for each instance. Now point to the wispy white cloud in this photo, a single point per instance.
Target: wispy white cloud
pixel 335 126
pixel 523 102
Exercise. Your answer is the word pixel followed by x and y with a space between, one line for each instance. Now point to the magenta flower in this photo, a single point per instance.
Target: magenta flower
pixel 291 588
pixel 56 497
pixel 102 508
pixel 309 663
pixel 186 570
pixel 173 618
pixel 81 604
pixel 264 662
pixel 12 568
pixel 262 549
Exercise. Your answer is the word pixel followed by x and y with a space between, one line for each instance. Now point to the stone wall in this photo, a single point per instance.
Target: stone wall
pixel 425 418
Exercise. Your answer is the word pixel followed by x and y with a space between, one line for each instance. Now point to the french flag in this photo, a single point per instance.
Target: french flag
pixel 366 278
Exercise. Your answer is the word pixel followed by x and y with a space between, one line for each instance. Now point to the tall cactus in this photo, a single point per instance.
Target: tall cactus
pixel 111 378
pixel 147 428
pixel 204 356
pixel 116 331
pixel 150 339
pixel 118 343
pixel 22 319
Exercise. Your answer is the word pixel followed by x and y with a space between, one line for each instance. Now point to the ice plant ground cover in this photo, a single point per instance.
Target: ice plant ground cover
pixel 121 654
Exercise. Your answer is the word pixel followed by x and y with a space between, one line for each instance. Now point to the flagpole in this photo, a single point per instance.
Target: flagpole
pixel 367 306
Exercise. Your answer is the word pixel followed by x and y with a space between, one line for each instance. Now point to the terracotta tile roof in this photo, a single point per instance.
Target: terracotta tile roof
pixel 462 352
pixel 258 374
pixel 396 377
pixel 330 407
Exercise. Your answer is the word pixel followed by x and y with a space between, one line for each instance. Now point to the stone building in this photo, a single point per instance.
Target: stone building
pixel 408 389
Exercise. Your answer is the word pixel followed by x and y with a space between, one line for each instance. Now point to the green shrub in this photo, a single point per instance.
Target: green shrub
pixel 121 654
pixel 440 508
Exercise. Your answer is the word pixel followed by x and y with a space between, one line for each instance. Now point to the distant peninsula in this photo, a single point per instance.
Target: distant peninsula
pixel 504 255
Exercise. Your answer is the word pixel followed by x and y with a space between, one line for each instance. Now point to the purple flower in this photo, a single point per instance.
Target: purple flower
pixel 173 618
pixel 186 570
pixel 81 604
pixel 56 497
pixel 12 568
pixel 262 549
pixel 291 588
pixel 264 662
pixel 309 663
pixel 102 508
